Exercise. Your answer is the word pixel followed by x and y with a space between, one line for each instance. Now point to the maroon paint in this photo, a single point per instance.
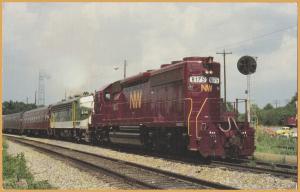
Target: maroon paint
pixel 168 104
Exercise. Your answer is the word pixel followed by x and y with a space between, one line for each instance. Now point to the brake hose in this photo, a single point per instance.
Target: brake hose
pixel 237 128
pixel 223 130
pixel 228 119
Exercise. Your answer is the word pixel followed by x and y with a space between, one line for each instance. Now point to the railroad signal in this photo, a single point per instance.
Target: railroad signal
pixel 247 66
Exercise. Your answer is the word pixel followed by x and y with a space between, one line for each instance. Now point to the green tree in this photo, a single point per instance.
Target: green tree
pixel 268 107
pixel 9 107
pixel 229 106
pixel 269 115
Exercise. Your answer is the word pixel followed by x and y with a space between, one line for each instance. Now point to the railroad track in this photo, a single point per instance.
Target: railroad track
pixel 140 176
pixel 253 166
pixel 281 170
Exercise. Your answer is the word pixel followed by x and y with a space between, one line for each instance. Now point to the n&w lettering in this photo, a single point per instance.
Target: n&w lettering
pixel 135 99
pixel 206 88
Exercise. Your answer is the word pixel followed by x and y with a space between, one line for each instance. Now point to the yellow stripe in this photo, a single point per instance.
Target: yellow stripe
pixel 189 114
pixel 199 114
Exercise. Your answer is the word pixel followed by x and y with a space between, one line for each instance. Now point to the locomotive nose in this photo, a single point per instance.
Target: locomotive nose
pixel 235 140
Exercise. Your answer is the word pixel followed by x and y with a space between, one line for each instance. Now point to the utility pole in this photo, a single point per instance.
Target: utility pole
pixel 35 97
pixel 249 95
pixel 224 53
pixel 125 65
pixel 248 99
pixel 41 88
pixel 276 102
pixel 287 101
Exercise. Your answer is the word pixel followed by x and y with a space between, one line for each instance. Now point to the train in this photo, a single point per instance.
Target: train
pixel 177 107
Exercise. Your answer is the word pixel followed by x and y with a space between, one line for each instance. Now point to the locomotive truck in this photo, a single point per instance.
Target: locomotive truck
pixel 175 108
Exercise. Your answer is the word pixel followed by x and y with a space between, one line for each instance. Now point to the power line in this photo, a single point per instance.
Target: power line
pixel 257 37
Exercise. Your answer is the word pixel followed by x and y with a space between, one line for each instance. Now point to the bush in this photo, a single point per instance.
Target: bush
pixel 274 144
pixel 16 174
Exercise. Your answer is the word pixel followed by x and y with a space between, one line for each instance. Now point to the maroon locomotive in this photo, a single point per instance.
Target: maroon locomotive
pixel 173 108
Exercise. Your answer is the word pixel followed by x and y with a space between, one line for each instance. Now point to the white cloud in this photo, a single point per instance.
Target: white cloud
pixel 85 40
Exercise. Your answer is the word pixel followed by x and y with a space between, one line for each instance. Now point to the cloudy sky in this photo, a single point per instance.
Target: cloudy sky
pixel 78 44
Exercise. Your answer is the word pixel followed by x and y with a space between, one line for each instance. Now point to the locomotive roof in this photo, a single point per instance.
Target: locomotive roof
pixel 144 76
pixel 106 86
pixel 168 68
pixel 141 77
pixel 13 114
pixel 70 100
pixel 37 109
pixel 65 102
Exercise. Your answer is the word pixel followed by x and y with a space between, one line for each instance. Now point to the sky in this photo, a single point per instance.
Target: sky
pixel 78 45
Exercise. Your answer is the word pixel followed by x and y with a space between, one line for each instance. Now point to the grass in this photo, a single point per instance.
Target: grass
pixel 16 174
pixel 273 144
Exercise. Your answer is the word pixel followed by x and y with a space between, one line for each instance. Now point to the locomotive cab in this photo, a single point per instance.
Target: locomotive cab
pixel 212 130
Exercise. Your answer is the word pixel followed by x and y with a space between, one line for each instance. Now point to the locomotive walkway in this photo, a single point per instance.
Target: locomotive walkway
pixel 139 176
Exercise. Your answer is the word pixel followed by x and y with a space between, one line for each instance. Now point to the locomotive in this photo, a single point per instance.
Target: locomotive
pixel 65 119
pixel 175 108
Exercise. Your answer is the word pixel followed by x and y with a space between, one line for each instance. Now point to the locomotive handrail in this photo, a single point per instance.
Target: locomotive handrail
pixel 156 104
pixel 198 116
pixel 148 101
pixel 189 116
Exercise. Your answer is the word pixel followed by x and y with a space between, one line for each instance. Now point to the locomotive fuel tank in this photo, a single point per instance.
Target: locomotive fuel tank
pixel 129 135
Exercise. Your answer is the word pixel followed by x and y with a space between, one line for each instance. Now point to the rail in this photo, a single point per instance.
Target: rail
pixel 148 177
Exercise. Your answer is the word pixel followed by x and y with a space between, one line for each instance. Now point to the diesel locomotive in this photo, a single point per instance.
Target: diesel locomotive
pixel 175 108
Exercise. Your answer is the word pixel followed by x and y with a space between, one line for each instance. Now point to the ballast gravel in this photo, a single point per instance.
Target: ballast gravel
pixel 58 174
pixel 242 180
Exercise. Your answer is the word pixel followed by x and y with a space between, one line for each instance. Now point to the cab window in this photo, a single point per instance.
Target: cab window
pixel 107 96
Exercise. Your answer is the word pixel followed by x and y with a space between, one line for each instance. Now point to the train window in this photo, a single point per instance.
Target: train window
pixel 206 65
pixel 107 96
pixel 84 111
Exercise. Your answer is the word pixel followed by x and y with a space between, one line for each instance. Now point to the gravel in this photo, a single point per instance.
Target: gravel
pixel 242 180
pixel 58 173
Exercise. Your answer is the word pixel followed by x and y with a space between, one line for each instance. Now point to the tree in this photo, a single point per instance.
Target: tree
pixel 9 107
pixel 229 106
pixel 268 107
pixel 276 116
pixel 293 100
